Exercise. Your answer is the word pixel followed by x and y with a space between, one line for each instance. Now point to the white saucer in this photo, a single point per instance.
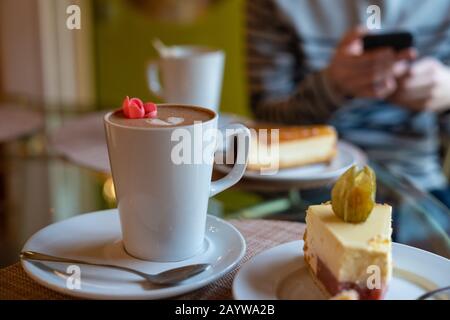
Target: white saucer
pixel 281 273
pixel 347 155
pixel 96 237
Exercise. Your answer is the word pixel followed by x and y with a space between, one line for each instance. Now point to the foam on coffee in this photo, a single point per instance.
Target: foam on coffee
pixel 168 116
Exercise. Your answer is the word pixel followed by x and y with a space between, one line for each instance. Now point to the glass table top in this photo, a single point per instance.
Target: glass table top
pixel 39 187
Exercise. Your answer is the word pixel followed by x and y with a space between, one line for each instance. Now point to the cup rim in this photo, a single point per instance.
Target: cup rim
pixel 109 122
pixel 195 51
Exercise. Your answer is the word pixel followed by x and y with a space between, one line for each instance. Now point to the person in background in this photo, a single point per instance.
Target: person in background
pixel 306 65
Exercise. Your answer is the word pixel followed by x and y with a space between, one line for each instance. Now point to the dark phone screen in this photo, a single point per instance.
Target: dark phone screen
pixel 398 41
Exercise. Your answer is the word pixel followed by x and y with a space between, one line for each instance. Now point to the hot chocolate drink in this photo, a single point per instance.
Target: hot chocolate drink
pixel 161 161
pixel 168 116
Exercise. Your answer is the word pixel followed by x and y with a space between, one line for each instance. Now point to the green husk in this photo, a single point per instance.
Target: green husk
pixel 353 195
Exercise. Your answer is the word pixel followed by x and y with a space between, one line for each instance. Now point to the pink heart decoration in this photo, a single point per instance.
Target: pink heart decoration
pixel 135 112
pixel 134 108
pixel 137 102
pixel 125 104
pixel 150 110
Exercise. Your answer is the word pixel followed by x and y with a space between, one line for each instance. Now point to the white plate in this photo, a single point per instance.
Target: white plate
pixel 96 237
pixel 281 273
pixel 347 155
pixel 229 118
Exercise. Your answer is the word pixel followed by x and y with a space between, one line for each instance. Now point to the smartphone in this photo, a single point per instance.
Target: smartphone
pixel 396 40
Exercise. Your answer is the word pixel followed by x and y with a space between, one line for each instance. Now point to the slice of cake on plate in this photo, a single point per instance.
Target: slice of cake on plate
pixel 344 256
pixel 298 146
pixel 347 243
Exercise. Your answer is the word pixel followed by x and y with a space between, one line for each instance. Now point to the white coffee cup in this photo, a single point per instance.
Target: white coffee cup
pixel 162 204
pixel 189 75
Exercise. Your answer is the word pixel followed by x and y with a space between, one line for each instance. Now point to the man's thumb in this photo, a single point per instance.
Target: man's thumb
pixel 352 35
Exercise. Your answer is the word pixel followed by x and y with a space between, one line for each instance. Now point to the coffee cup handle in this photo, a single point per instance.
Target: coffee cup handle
pixel 153 79
pixel 236 173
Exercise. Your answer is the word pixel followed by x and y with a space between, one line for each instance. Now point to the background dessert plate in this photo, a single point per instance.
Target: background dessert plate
pixel 96 237
pixel 281 273
pixel 347 155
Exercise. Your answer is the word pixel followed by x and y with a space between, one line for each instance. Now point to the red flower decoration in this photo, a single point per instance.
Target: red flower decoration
pixel 134 108
pixel 150 110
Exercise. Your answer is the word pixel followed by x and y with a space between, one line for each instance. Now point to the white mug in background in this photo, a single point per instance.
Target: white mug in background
pixel 162 204
pixel 189 75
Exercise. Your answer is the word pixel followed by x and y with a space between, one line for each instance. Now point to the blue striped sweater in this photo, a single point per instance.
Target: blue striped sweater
pixel 290 42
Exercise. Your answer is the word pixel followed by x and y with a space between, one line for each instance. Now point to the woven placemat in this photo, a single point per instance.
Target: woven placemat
pixel 259 235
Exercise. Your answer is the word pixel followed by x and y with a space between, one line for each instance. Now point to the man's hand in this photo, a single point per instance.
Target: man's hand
pixel 373 74
pixel 425 87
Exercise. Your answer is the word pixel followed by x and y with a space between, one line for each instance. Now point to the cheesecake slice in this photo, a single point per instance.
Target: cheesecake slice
pixel 298 146
pixel 349 256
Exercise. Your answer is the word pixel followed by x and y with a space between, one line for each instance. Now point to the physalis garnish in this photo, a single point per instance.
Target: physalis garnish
pixel 353 195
